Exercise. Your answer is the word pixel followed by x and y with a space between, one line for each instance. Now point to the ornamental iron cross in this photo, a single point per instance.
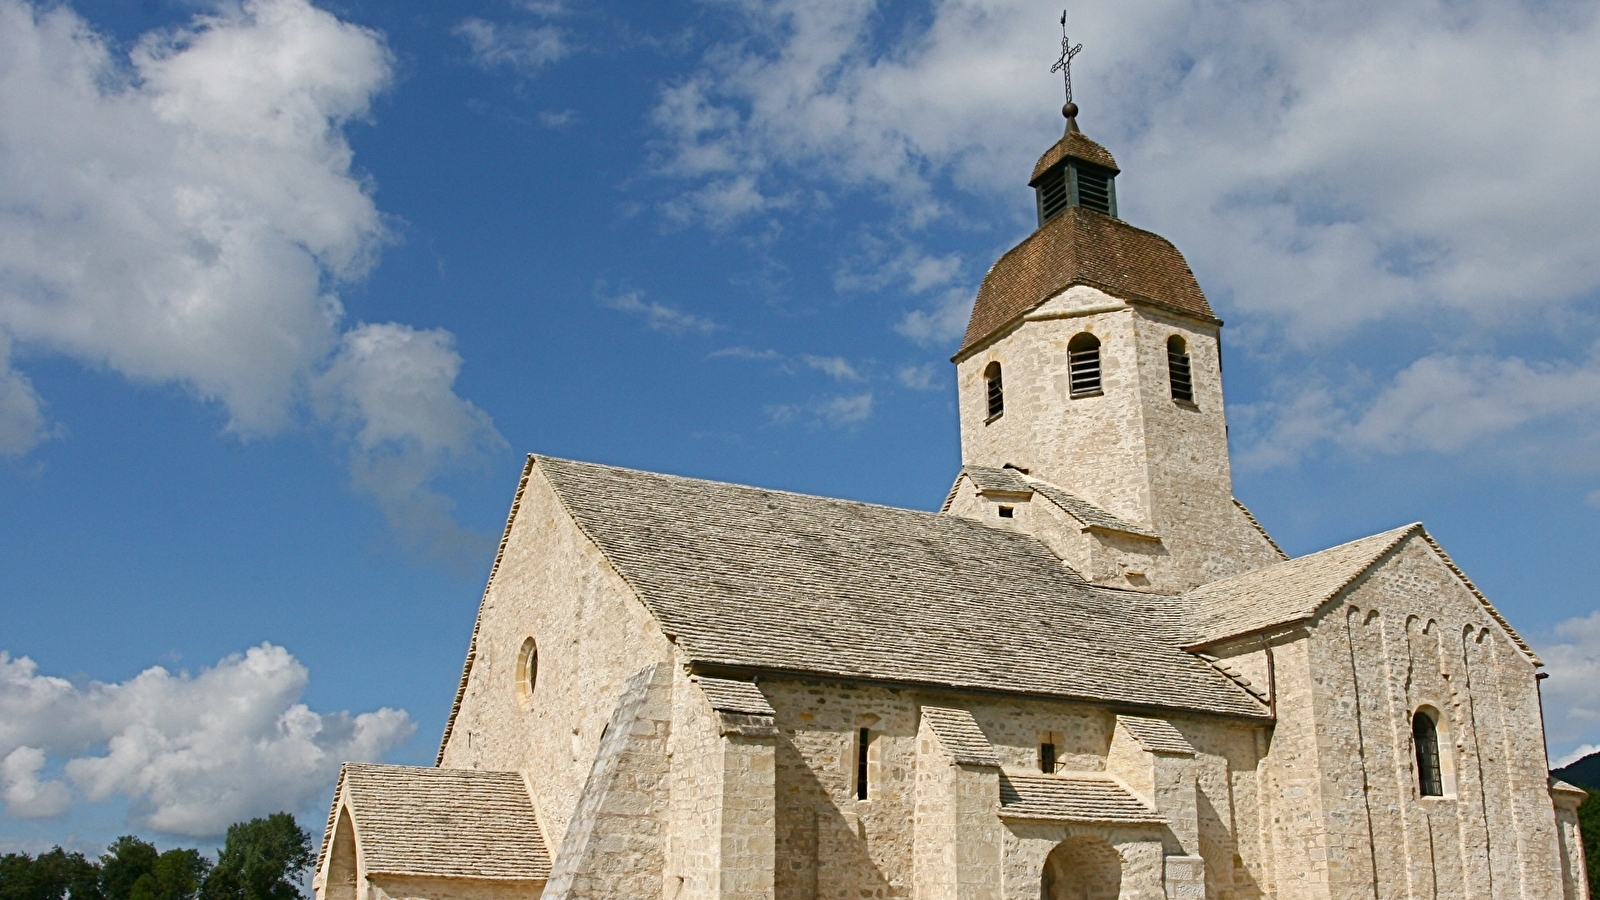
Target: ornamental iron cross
pixel 1068 51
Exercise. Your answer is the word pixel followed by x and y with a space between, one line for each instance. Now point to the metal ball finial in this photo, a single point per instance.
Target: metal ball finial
pixel 1070 110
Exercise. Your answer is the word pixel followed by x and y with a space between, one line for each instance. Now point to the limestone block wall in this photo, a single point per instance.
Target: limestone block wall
pixel 958 841
pixel 615 846
pixel 408 887
pixel 831 844
pixel 1133 451
pixel 723 802
pixel 1574 886
pixel 1342 811
pixel 552 585
pixel 1142 870
pixel 1105 558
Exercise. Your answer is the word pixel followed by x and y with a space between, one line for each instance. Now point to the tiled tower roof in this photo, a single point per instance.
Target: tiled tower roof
pixel 1077 146
pixel 1080 246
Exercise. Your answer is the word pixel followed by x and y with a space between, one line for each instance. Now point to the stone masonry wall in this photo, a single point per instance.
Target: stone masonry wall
pixel 553 585
pixel 830 844
pixel 1133 451
pixel 615 846
pixel 1342 813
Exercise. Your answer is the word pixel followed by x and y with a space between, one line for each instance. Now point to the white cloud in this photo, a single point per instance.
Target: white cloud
pixel 26 797
pixel 1574 755
pixel 1440 403
pixel 192 753
pixel 22 421
pixel 835 367
pixel 659 316
pixel 919 377
pixel 1329 169
pixel 1571 703
pixel 528 49
pixel 838 411
pixel 184 217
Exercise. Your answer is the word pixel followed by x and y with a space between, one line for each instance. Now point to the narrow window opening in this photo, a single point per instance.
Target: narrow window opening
pixel 1094 189
pixel 1083 365
pixel 995 390
pixel 1425 734
pixel 1008 512
pixel 1178 370
pixel 1047 758
pixel 1052 193
pixel 861 763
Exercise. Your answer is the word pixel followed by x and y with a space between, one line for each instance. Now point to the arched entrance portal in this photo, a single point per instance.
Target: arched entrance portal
pixel 1082 867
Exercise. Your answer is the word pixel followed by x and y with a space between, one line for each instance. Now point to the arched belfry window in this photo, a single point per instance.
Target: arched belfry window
pixel 994 390
pixel 1178 370
pixel 1430 770
pixel 1083 365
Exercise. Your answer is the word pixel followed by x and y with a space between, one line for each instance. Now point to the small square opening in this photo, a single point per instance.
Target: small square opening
pixel 1008 512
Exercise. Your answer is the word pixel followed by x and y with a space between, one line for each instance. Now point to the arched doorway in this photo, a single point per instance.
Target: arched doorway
pixel 1082 867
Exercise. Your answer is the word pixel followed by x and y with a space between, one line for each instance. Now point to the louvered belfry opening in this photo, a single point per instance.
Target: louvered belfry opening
pixel 1178 370
pixel 1083 365
pixel 1076 183
pixel 996 391
pixel 1094 188
pixel 1052 193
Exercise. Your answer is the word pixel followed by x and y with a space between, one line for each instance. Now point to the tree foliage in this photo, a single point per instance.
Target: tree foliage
pixel 262 859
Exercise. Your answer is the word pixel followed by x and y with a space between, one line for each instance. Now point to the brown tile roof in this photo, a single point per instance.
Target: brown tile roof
pixel 1084 247
pixel 1077 146
pixel 769 581
pixel 1156 735
pixel 444 823
pixel 960 735
pixel 1073 798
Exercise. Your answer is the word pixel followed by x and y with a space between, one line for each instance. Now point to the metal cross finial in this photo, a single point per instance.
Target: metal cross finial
pixel 1064 64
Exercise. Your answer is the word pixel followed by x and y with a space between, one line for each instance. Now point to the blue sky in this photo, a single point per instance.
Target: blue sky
pixel 287 291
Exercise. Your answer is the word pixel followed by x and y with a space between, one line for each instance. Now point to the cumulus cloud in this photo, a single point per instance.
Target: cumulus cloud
pixel 193 753
pixel 918 377
pixel 1329 169
pixel 659 316
pixel 528 49
pixel 1441 403
pixel 1572 706
pixel 835 367
pixel 185 215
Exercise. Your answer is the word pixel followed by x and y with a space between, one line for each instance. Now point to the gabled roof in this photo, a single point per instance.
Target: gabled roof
pixel 1009 481
pixel 1293 591
pixel 1073 798
pixel 1156 735
pixel 442 823
pixel 1079 246
pixel 754 580
pixel 1076 145
pixel 959 734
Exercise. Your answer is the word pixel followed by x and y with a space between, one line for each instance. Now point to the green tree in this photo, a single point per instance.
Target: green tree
pixel 262 859
pixel 122 865
pixel 175 875
pixel 1589 822
pixel 54 875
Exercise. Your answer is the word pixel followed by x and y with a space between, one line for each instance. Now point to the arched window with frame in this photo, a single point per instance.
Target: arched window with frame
pixel 1178 371
pixel 994 390
pixel 1083 365
pixel 1430 768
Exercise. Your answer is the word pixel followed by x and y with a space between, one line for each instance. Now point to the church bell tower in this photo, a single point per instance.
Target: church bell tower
pixel 1090 373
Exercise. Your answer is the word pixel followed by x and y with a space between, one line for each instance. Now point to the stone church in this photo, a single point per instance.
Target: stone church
pixel 1091 675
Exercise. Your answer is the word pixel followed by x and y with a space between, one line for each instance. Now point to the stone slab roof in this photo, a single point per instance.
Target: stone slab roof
pixel 758 580
pixel 1009 481
pixel 727 695
pixel 443 823
pixel 1286 592
pixel 1083 247
pixel 1156 735
pixel 1292 591
pixel 960 735
pixel 1073 798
